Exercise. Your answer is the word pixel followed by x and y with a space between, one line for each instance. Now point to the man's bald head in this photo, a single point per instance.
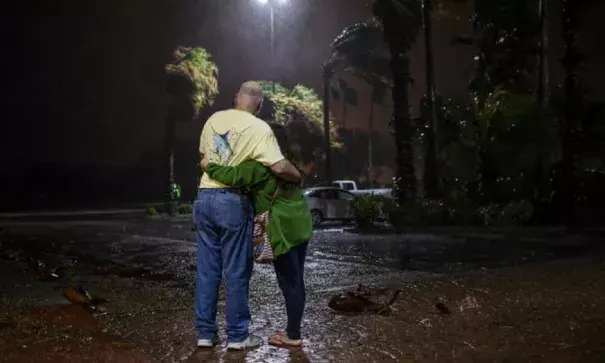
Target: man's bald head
pixel 249 97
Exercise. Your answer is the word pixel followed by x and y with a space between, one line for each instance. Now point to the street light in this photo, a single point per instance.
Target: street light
pixel 271 4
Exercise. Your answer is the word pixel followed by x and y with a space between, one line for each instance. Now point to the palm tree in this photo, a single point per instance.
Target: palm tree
pixel 375 50
pixel 543 86
pixel 377 97
pixel 361 49
pixel 401 21
pixel 569 128
pixel 349 97
pixel 192 85
pixel 431 174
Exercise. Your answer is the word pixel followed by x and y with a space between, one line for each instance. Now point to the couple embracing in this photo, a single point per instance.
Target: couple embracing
pixel 245 174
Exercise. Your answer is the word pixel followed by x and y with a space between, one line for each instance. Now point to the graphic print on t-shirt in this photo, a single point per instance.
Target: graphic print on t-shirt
pixel 223 145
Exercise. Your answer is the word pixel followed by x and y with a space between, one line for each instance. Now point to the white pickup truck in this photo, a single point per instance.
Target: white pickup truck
pixel 351 186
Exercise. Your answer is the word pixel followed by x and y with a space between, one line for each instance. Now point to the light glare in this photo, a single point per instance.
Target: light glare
pixel 264 2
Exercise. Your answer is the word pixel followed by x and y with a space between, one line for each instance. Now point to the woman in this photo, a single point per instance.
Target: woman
pixel 289 229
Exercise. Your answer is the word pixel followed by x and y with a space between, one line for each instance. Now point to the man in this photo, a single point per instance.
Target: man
pixel 224 216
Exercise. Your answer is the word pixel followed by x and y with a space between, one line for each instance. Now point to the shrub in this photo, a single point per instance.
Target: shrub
pixel 514 213
pixel 366 209
pixel 422 212
pixel 427 212
pixel 185 209
pixel 431 212
pixel 518 212
pixel 458 214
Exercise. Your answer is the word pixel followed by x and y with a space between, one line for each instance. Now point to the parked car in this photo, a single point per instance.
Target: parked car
pixel 328 203
pixel 351 186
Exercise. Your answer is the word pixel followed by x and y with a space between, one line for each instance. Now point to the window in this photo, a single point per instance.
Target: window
pixel 327 194
pixel 311 193
pixel 345 195
pixel 321 193
pixel 348 186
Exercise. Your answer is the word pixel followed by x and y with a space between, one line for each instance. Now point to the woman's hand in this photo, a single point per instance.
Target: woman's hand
pixel 204 163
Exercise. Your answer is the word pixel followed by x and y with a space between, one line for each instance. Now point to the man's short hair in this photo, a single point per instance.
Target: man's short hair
pixel 252 89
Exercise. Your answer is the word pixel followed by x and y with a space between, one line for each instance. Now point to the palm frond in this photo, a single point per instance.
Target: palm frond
pixel 401 19
pixel 362 50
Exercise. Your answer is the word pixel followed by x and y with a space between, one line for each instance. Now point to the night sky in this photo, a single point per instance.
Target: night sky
pixel 84 80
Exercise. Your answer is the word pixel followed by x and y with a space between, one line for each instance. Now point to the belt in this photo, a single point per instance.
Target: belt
pixel 238 191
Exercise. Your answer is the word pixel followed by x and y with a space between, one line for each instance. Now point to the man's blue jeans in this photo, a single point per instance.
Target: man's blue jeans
pixel 224 220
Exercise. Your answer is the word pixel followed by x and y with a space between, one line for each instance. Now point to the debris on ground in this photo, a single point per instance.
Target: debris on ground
pixel 469 302
pixel 358 301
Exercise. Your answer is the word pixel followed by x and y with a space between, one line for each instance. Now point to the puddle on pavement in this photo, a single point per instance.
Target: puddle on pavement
pixel 276 354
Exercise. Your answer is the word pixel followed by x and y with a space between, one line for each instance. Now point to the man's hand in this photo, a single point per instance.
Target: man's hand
pixel 286 171
pixel 204 163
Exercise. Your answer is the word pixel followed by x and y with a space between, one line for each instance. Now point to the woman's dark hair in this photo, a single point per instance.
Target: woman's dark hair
pixel 281 135
pixel 287 148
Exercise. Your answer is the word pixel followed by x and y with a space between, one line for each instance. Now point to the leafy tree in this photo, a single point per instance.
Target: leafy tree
pixel 299 110
pixel 506 33
pixel 577 128
pixel 498 150
pixel 193 81
pixel 192 86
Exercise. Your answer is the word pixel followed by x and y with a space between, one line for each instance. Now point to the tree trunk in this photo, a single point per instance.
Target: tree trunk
pixel 431 173
pixel 542 95
pixel 347 154
pixel 170 198
pixel 571 62
pixel 370 153
pixel 344 111
pixel 327 75
pixel 487 178
pixel 402 126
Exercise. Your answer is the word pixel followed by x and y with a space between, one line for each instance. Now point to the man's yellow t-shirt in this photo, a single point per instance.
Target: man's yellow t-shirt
pixel 231 137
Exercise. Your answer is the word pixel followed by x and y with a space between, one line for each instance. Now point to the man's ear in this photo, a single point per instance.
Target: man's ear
pixel 259 106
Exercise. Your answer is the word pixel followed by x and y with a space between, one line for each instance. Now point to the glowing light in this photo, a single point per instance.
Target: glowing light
pixel 264 2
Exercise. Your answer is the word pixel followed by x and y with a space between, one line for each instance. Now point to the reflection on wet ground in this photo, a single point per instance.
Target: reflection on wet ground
pixel 467 295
